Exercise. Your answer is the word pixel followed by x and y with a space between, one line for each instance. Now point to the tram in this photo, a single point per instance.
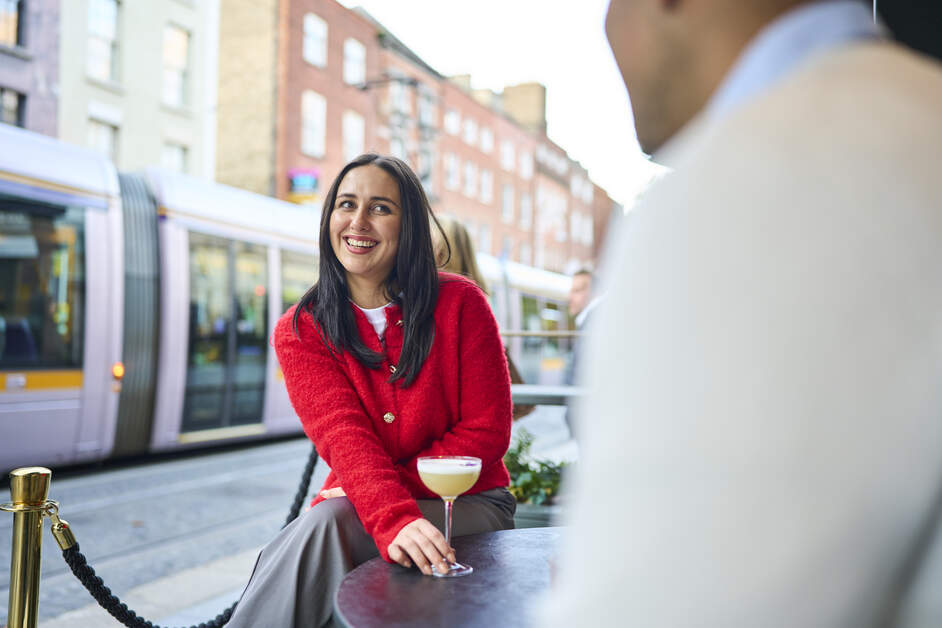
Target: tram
pixel 135 309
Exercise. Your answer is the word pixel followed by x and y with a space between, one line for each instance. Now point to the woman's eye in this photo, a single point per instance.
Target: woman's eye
pixel 382 209
pixel 345 204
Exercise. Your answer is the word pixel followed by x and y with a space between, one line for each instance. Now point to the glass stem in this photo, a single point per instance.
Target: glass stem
pixel 448 505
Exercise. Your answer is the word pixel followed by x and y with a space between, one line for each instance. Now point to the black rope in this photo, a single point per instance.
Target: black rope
pixel 303 488
pixel 120 611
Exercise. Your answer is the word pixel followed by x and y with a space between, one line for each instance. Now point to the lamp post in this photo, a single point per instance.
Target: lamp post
pixel 422 166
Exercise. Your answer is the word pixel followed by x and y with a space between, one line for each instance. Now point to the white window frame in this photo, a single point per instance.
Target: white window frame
pixel 526 165
pixel 174 91
pixel 507 155
pixel 354 62
pixel 507 194
pixel 452 122
pixel 487 186
pixel 470 133
pixel 110 41
pixel 452 172
pixel 103 125
pixel 314 42
pixel 526 211
pixel 178 149
pixel 354 134
pixel 470 179
pixel 313 124
pixel 487 140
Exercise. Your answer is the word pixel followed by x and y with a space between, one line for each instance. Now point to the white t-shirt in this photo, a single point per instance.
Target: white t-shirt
pixel 377 318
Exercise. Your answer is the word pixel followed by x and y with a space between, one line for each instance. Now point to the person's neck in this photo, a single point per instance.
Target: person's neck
pixel 711 52
pixel 367 295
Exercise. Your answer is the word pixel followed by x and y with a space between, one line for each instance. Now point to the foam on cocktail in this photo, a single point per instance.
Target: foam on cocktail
pixel 447 465
pixel 448 477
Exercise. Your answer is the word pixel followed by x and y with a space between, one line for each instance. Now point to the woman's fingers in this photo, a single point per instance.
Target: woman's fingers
pixel 437 539
pixel 399 556
pixel 424 544
pixel 333 492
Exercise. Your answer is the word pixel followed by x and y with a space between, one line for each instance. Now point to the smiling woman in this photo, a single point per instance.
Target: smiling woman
pixel 364 232
pixel 386 360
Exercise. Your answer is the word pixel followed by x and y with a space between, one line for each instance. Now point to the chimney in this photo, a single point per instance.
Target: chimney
pixel 526 103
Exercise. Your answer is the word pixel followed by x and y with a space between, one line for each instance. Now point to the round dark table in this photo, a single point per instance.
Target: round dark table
pixel 510 568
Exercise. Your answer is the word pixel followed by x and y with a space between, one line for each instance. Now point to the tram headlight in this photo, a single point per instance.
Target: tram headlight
pixel 117 371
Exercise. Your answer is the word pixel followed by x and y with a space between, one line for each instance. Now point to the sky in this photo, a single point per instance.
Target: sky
pixel 559 43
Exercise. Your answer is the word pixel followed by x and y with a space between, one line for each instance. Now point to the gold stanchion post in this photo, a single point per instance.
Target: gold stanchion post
pixel 29 488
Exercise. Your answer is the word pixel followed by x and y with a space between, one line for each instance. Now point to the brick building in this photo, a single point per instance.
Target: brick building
pixel 343 84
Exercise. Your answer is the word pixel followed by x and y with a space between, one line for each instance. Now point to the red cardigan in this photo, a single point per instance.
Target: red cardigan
pixel 371 432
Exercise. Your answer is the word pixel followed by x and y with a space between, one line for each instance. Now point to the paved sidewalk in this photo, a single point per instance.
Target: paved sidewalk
pixel 190 597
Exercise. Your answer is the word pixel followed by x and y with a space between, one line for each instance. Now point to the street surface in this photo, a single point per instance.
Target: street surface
pixel 176 537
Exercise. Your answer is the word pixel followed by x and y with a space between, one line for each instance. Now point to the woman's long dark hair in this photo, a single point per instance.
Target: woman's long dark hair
pixel 412 284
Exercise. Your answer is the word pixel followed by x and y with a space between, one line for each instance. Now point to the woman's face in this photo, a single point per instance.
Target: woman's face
pixel 365 224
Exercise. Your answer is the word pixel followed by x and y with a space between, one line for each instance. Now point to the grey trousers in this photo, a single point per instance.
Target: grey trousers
pixel 298 572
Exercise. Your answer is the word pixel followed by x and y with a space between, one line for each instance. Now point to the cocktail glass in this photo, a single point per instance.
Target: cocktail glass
pixel 448 477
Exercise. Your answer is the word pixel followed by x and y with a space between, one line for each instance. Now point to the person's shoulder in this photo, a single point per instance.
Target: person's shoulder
pixel 287 331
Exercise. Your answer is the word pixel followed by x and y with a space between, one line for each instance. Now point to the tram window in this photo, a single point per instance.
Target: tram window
pixel 42 284
pixel 298 274
pixel 228 333
pixel 551 317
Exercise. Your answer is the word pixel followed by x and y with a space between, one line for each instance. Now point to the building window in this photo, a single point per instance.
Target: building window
pixel 354 135
pixel 470 179
pixel 507 204
pixel 526 165
pixel 397 147
pixel 507 247
pixel 354 62
pixel 452 122
pixel 12 105
pixel 315 40
pixel 526 254
pixel 484 243
pixel 102 57
pixel 313 123
pixel 103 137
pixel 11 22
pixel 487 186
pixel 426 168
pixel 470 132
pixel 507 155
pixel 526 211
pixel 451 171
pixel 176 62
pixel 173 157
pixel 487 140
pixel 399 95
pixel 427 107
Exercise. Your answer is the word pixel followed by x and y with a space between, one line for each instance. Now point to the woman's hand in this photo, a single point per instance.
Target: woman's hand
pixel 333 492
pixel 421 543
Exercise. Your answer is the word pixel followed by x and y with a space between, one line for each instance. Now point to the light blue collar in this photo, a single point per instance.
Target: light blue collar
pixel 788 41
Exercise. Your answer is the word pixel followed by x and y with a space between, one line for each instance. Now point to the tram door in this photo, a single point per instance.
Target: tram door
pixel 225 381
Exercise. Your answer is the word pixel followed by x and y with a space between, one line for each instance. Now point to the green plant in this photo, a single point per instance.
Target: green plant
pixel 531 481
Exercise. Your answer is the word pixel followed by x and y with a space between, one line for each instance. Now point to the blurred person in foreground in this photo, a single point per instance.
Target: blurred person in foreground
pixel 454 253
pixel 385 360
pixel 766 437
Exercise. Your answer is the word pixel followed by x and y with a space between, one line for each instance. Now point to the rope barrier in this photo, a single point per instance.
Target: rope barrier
pixel 111 603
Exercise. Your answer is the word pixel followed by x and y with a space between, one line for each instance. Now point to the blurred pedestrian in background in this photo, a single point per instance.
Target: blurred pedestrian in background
pixel 581 304
pixel 765 443
pixel 457 256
